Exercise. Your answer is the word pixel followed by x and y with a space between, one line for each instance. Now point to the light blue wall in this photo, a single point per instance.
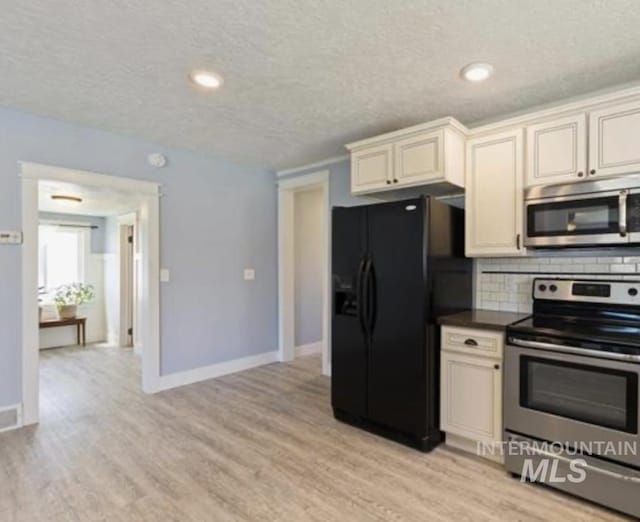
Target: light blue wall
pixel 216 218
pixel 97 235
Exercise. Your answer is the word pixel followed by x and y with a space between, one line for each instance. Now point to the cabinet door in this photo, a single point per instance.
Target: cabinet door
pixel 493 197
pixel 419 159
pixel 614 140
pixel 371 168
pixel 471 397
pixel 557 151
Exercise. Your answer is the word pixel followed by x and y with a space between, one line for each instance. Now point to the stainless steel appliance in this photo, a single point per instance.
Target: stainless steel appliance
pixel 571 378
pixel 604 212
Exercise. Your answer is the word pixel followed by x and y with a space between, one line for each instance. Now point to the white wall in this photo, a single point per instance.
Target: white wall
pixel 309 231
pixel 112 278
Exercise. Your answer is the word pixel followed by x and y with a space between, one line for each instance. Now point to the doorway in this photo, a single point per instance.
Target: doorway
pixel 142 198
pixel 303 267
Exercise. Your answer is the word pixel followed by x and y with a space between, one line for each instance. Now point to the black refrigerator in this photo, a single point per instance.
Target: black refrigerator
pixel 396 267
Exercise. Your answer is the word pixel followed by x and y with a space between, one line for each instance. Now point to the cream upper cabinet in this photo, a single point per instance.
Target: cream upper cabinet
pixel 494 195
pixel 557 151
pixel 614 140
pixel 371 169
pixel 419 158
pixel 430 154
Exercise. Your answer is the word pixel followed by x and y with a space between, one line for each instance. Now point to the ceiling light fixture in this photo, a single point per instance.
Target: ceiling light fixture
pixel 476 72
pixel 73 199
pixel 206 79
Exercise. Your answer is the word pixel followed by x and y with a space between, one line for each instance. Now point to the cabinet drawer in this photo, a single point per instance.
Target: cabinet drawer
pixel 473 341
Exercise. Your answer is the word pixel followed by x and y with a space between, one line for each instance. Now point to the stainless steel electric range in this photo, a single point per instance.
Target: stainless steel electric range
pixel 571 390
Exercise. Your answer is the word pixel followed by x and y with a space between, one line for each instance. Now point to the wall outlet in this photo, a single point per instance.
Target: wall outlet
pixel 10 237
pixel 165 275
pixel 249 274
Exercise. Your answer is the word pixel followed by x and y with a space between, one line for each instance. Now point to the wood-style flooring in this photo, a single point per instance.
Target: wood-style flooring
pixel 257 445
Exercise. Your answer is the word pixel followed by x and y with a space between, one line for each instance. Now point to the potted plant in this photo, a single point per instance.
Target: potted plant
pixel 69 297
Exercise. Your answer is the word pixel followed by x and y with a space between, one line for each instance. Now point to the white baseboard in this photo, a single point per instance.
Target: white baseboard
pixel 174 380
pixel 308 349
pixel 17 408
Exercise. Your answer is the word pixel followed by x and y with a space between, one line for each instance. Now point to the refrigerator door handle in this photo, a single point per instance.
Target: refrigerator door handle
pixel 366 297
pixel 360 296
pixel 370 279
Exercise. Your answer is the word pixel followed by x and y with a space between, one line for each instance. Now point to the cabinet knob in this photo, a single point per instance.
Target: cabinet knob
pixel 592 171
pixel 388 182
pixel 471 342
pixel 395 181
pixel 580 174
pixel 496 366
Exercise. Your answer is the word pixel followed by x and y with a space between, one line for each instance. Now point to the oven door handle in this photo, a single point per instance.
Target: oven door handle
pixel 576 351
pixel 585 466
pixel 622 214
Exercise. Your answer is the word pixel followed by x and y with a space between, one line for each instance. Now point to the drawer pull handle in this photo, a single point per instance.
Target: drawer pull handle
pixel 471 342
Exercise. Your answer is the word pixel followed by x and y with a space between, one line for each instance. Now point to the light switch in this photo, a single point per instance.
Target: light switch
pixel 10 237
pixel 165 275
pixel 249 274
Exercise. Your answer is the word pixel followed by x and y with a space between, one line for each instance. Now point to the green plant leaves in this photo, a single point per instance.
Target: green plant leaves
pixel 74 294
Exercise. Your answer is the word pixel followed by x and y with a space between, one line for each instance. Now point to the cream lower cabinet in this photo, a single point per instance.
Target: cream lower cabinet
pixel 494 195
pixel 471 392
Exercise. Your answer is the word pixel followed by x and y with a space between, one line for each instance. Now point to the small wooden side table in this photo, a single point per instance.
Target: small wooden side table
pixel 79 322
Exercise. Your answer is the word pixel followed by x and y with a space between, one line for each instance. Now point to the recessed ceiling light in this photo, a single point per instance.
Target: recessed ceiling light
pixel 206 79
pixel 476 72
pixel 70 199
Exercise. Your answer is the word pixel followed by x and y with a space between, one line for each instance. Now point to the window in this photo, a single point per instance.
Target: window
pixel 61 252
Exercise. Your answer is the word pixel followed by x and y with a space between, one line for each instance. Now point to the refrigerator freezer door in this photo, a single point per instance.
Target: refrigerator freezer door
pixel 349 342
pixel 397 388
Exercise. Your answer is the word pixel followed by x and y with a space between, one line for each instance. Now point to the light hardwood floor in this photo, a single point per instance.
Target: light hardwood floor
pixel 257 445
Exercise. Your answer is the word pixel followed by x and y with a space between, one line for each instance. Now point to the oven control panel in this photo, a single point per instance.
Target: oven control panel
pixel 589 291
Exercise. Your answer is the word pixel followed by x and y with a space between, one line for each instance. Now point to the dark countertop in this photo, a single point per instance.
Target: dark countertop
pixel 487 319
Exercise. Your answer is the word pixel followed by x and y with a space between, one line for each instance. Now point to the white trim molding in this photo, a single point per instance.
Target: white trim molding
pixel 17 408
pixel 286 260
pixel 148 194
pixel 174 380
pixel 309 349
pixel 312 166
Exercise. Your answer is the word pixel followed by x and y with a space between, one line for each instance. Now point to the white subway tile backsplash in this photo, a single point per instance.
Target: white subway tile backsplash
pixel 505 284
pixel 618 268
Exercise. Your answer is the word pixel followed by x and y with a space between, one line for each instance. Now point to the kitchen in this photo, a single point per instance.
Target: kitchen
pixel 492 304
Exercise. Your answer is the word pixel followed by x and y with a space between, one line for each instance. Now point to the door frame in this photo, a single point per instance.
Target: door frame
pixel 148 194
pixel 127 302
pixel 287 189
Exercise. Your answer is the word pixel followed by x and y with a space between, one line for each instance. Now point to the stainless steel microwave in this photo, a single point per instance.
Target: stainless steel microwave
pixel 603 212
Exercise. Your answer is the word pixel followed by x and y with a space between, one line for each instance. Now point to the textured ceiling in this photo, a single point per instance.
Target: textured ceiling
pixel 303 77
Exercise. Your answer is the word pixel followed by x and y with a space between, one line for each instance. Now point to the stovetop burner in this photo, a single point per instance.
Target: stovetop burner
pixel 607 320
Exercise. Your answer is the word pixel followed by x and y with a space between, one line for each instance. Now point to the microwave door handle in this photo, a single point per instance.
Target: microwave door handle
pixel 622 213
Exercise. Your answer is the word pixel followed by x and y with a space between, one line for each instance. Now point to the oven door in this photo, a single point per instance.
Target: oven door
pixel 573 399
pixel 591 219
